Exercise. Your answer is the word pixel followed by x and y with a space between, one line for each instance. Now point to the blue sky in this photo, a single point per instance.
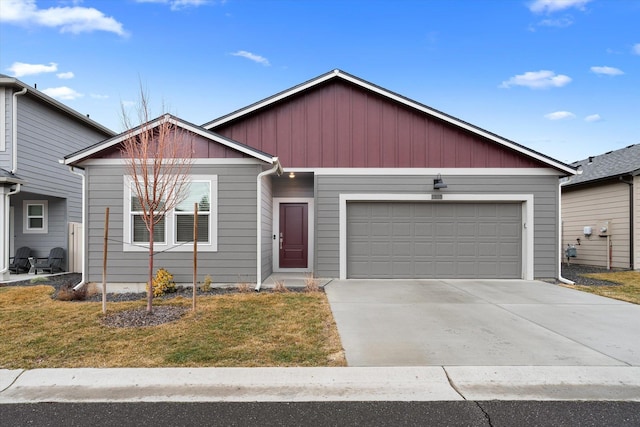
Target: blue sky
pixel 559 76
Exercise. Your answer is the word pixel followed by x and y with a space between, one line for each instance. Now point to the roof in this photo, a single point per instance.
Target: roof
pixel 339 74
pixel 8 177
pixel 12 81
pixel 611 164
pixel 78 156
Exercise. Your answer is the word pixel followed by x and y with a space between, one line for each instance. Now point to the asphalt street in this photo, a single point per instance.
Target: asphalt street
pixel 465 413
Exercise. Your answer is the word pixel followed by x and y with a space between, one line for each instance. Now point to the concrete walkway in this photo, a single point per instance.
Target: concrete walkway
pixel 481 323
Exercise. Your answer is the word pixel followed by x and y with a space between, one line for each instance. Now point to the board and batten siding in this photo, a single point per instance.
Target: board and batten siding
pixel 235 259
pixel 544 189
pixel 590 207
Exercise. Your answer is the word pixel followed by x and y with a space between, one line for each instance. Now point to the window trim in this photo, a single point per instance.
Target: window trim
pixel 170 242
pixel 26 229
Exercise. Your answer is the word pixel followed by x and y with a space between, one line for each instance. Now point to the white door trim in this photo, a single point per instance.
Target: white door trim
pixel 276 232
pixel 527 219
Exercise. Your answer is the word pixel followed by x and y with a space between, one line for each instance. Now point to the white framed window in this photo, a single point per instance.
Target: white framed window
pixel 35 216
pixel 175 231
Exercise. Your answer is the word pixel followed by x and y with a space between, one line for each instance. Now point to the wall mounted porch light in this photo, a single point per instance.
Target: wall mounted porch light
pixel 438 184
pixel 292 175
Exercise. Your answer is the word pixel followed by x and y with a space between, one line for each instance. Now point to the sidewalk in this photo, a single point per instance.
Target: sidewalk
pixel 449 383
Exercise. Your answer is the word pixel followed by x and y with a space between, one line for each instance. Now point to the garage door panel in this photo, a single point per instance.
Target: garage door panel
pixel 428 240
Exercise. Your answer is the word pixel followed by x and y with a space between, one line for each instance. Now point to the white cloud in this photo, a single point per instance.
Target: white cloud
pixel 62 92
pixel 636 49
pixel 256 58
pixel 19 69
pixel 537 80
pixel 563 22
pixel 560 115
pixel 178 4
pixel 74 19
pixel 593 118
pixel 550 6
pixel 609 71
pixel 67 75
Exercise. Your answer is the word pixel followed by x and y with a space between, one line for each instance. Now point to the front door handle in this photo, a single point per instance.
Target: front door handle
pixel 281 239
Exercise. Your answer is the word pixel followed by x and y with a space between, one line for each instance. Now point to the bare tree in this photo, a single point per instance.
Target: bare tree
pixel 158 156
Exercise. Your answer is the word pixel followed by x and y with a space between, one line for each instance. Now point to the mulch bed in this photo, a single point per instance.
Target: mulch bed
pixel 574 273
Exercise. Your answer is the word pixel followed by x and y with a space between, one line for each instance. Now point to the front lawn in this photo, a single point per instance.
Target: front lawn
pixel 243 329
pixel 627 286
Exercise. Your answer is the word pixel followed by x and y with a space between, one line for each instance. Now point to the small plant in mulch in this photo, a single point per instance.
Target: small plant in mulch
pixel 243 287
pixel 68 293
pixel 205 286
pixel 311 284
pixel 39 279
pixel 279 287
pixel 163 283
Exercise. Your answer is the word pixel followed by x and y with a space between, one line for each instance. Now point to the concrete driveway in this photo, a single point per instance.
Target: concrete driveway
pixel 481 323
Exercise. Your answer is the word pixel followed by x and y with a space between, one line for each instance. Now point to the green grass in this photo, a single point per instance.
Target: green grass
pixel 288 329
pixel 627 288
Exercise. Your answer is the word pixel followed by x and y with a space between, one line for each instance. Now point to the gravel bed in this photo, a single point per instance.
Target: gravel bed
pixel 574 273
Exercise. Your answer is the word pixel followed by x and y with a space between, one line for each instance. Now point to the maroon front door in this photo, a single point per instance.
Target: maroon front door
pixel 293 235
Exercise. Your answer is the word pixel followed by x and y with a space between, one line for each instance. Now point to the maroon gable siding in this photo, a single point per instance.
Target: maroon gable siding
pixel 342 125
pixel 203 148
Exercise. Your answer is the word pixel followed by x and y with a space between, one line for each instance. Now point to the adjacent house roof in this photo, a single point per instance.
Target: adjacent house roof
pixel 339 74
pixel 612 164
pixel 11 81
pixel 94 150
pixel 7 177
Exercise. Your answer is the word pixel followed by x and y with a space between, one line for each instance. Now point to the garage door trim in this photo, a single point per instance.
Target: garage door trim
pixel 527 218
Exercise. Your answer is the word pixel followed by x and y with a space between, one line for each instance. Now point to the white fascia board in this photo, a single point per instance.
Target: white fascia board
pixel 430 171
pixel 194 129
pixel 122 162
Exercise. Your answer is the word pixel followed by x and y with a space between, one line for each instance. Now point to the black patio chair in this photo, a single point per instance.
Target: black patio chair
pixel 20 262
pixel 51 264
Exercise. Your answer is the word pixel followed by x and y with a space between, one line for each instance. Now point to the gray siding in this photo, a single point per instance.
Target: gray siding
pixel 300 186
pixel 544 189
pixel 5 128
pixel 235 259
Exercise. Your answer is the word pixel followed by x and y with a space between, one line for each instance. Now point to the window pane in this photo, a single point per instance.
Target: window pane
pixel 35 210
pixel 135 204
pixel 141 234
pixel 184 228
pixel 198 193
pixel 35 223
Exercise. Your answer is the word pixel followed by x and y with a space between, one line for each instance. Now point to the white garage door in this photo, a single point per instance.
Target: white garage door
pixel 434 240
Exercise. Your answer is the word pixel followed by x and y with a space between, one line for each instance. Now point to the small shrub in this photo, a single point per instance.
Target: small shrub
pixel 68 293
pixel 311 284
pixel 39 279
pixel 163 283
pixel 243 287
pixel 205 286
pixel 280 287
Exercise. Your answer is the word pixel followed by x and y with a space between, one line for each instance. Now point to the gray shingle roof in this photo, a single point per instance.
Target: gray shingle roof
pixel 625 161
pixel 8 177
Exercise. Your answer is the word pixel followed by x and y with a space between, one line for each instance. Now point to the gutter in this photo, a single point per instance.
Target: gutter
pixel 560 278
pixel 277 169
pixel 631 230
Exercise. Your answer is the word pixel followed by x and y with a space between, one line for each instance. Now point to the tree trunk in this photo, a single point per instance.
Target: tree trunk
pixel 150 287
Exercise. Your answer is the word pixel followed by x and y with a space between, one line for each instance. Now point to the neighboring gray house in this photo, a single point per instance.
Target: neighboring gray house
pixel 601 210
pixel 375 185
pixel 39 197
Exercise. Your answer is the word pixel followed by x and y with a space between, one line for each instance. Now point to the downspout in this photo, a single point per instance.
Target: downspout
pixel 83 280
pixel 14 130
pixel 631 230
pixel 560 278
pixel 14 168
pixel 277 168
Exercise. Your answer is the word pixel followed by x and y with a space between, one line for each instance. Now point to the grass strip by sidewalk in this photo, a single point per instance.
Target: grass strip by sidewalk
pixel 627 288
pixel 243 330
